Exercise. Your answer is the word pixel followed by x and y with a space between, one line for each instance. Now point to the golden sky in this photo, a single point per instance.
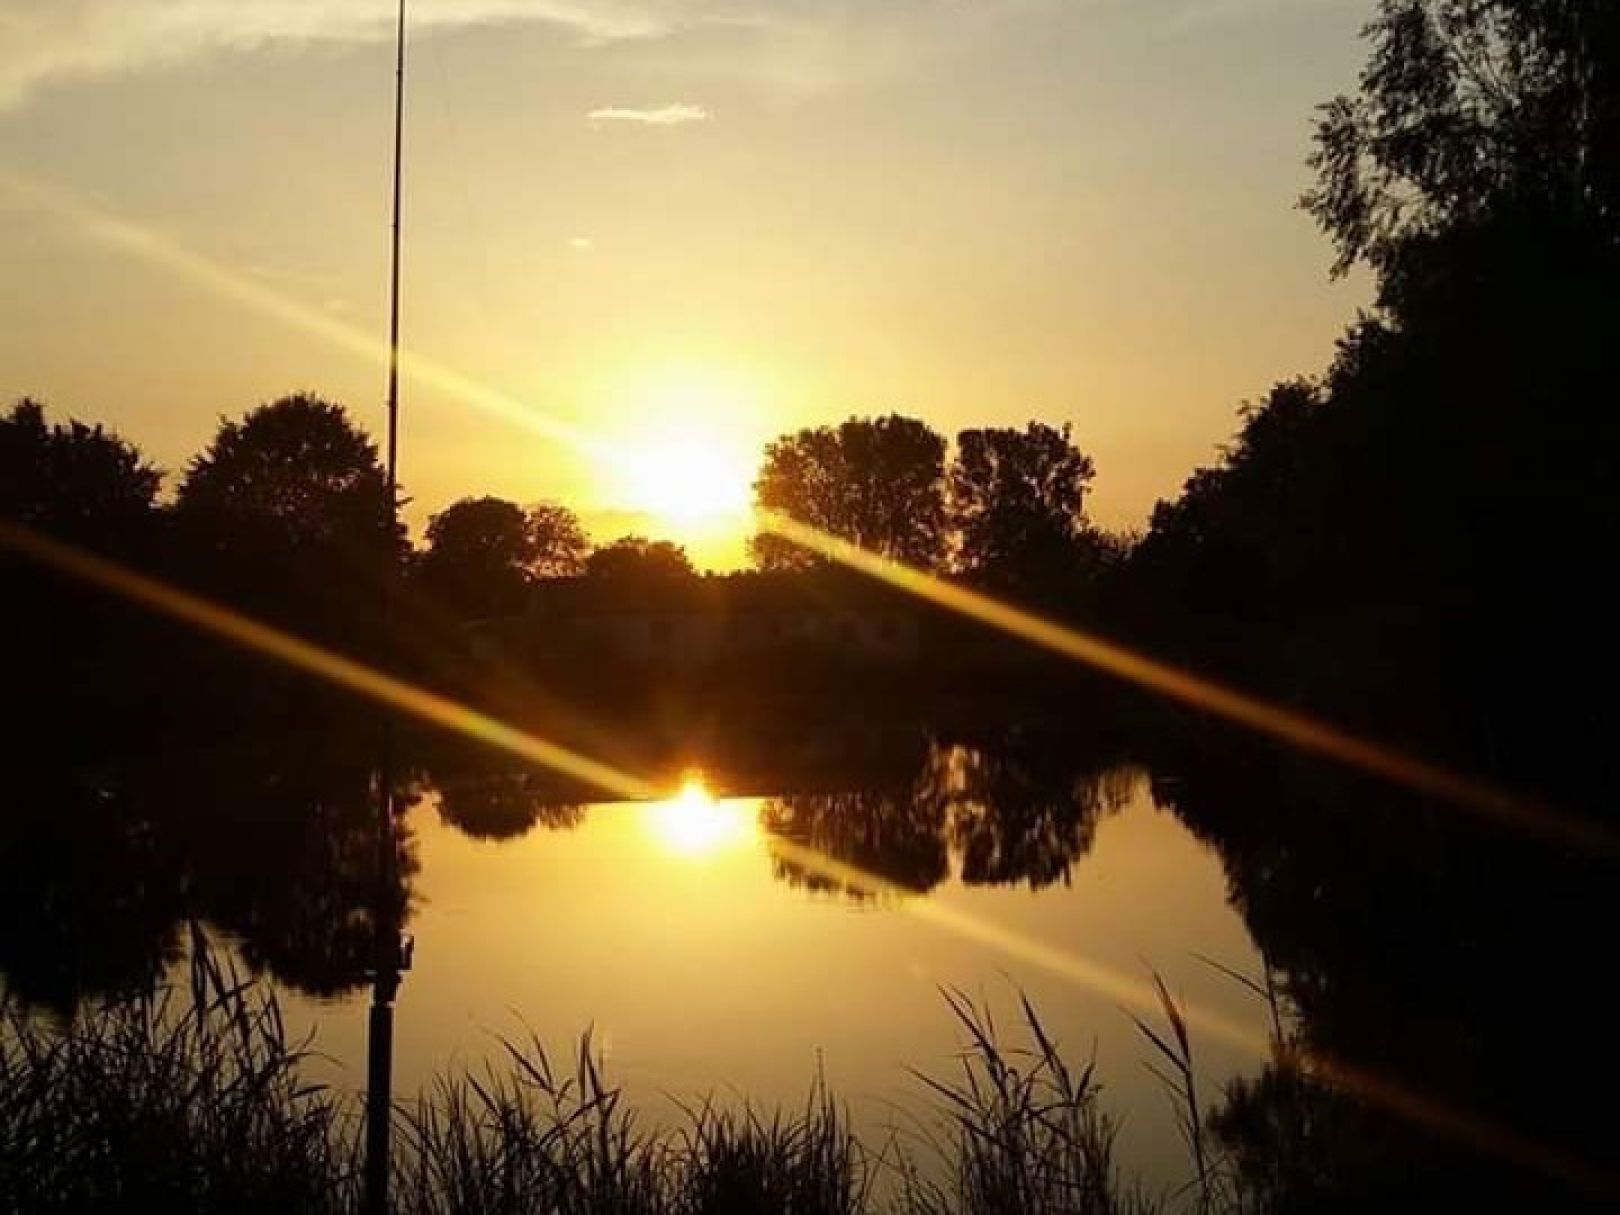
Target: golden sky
pixel 683 226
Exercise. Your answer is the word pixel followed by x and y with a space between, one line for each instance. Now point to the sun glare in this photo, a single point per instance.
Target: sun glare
pixel 689 481
pixel 694 824
pixel 688 454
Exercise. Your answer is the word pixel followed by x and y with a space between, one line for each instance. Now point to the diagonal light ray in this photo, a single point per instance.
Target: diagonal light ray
pixel 347 673
pixel 146 244
pixel 354 676
pixel 1298 729
pixel 1478 797
pixel 1115 984
pixel 1132 992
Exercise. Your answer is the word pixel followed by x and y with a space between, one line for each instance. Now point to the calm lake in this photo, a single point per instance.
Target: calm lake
pixel 708 961
pixel 801 890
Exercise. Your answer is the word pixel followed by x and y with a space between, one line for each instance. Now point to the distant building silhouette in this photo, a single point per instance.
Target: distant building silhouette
pixel 697 624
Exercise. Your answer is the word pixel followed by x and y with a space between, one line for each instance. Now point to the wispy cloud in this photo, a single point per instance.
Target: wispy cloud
pixel 802 44
pixel 42 41
pixel 660 116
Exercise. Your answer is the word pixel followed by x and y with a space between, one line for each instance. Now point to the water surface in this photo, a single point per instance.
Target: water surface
pixel 707 957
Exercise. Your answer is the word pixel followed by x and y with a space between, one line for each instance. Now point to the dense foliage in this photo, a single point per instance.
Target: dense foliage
pixel 484 554
pixel 1414 538
pixel 875 482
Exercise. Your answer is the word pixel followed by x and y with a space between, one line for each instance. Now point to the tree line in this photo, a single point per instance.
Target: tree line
pixel 290 497
pixel 285 515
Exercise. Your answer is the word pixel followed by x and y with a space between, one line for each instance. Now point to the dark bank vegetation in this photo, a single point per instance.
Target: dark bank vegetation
pixel 1412 540
pixel 197 1099
pixel 173 1099
pixel 1419 951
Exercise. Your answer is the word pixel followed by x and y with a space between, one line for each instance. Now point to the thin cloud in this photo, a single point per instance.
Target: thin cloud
pixel 44 41
pixel 661 116
pixel 802 45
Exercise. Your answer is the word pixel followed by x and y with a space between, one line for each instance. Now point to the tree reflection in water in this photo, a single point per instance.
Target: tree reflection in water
pixel 502 805
pixel 1411 946
pixel 91 893
pixel 892 835
pixel 1015 809
pixel 274 844
pixel 286 851
pixel 1027 818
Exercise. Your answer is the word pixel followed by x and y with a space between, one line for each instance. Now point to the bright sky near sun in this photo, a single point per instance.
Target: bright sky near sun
pixel 683 226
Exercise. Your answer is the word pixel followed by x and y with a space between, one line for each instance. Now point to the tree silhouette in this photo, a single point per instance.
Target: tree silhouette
pixel 295 472
pixel 502 805
pixel 638 559
pixel 1018 506
pixel 477 558
pixel 1467 109
pixel 82 483
pixel 287 512
pixel 1239 550
pixel 877 482
pixel 484 553
pixel 890 834
pixel 68 651
pixel 1407 541
pixel 1410 541
pixel 559 543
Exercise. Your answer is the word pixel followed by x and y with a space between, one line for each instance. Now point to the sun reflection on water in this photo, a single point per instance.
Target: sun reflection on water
pixel 695 824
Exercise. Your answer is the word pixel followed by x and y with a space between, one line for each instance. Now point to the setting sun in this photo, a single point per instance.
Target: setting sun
pixel 690 481
pixel 695 824
pixel 690 459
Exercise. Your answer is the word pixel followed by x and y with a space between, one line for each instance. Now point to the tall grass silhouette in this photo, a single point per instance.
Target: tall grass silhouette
pixel 194 1098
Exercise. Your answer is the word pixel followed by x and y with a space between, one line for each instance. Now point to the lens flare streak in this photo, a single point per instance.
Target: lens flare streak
pixel 305 656
pixel 1297 729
